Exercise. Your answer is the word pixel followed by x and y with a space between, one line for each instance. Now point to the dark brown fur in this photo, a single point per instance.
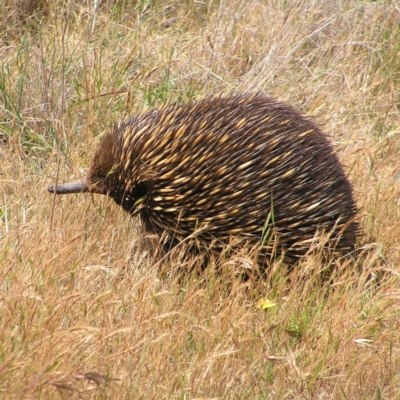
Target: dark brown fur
pixel 226 166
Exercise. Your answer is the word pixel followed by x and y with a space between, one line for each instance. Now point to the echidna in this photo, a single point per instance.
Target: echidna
pixel 237 165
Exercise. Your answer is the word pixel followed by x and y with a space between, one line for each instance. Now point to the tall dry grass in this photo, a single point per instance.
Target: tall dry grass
pixel 83 311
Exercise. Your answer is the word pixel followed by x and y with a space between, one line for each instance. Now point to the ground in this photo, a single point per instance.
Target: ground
pixel 84 311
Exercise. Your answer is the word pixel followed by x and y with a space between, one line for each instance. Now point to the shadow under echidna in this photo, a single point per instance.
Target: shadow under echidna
pixel 242 166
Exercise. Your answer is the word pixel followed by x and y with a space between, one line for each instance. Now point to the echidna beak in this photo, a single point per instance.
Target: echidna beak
pixel 72 187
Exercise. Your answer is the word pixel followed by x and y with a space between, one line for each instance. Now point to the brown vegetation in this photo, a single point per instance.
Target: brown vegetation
pixel 84 312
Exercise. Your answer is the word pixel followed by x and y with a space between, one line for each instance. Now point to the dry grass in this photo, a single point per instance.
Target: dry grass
pixel 83 312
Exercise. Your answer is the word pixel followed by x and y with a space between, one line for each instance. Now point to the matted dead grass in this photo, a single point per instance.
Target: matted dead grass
pixel 84 312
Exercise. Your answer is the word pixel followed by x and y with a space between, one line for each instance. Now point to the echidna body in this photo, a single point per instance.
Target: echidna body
pixel 224 166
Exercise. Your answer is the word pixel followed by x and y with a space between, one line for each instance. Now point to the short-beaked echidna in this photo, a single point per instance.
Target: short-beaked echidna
pixel 237 165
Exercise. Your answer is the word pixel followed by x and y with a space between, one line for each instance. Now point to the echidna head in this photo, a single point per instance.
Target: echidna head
pixel 104 177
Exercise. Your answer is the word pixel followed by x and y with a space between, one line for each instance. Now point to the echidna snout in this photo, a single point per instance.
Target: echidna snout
pixel 230 164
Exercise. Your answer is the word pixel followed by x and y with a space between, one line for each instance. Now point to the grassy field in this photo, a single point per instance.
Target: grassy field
pixel 84 313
